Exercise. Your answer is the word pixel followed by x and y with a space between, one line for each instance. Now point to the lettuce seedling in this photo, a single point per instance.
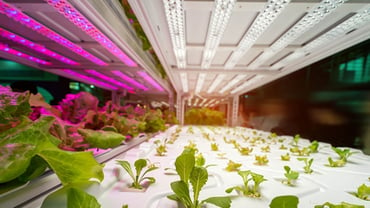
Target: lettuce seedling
pixel 214 146
pixel 191 148
pixel 139 177
pixel 314 146
pixel 308 163
pixel 246 189
pixel 305 151
pixel 337 163
pixel 233 166
pixel 261 160
pixel 287 201
pixel 290 175
pixel 285 157
pixel 244 150
pixel 363 192
pixel 282 147
pixel 296 140
pixel 265 148
pixel 196 177
pixel 161 147
pixel 343 153
pixel 341 205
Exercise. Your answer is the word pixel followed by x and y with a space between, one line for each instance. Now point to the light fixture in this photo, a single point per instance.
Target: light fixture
pixel 34 46
pixel 200 82
pixel 150 80
pixel 272 9
pixel 129 79
pixel 90 80
pixel 14 52
pixel 219 20
pixel 233 82
pixel 203 102
pixel 184 82
pixel 361 18
pixel 22 18
pixel 247 83
pixel 313 17
pixel 106 78
pixel 216 82
pixel 175 19
pixel 63 7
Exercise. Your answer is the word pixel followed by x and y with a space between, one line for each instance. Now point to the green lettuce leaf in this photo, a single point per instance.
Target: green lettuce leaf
pixel 220 201
pixel 184 165
pixel 288 201
pixel 198 178
pixel 36 168
pixel 102 139
pixel 14 160
pixel 73 167
pixel 77 198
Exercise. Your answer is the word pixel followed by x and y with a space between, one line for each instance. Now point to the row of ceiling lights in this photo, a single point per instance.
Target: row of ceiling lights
pixel 84 24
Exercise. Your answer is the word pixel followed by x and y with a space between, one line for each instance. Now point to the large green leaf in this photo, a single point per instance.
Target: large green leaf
pixel 287 201
pixel 198 178
pixel 181 190
pixel 14 160
pixel 77 198
pixel 184 165
pixel 102 139
pixel 127 166
pixel 36 168
pixel 220 201
pixel 73 167
pixel 139 165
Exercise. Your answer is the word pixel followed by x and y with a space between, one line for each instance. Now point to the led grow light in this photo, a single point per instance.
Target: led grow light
pixel 272 9
pixel 84 24
pixel 37 47
pixel 14 52
pixel 90 80
pixel 314 16
pixel 233 82
pixel 150 80
pixel 175 19
pixel 219 20
pixel 184 81
pixel 216 82
pixel 200 82
pixel 22 18
pixel 129 79
pixel 356 21
pixel 104 77
pixel 247 83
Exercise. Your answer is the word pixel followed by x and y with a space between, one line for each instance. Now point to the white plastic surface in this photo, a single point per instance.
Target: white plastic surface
pixel 325 184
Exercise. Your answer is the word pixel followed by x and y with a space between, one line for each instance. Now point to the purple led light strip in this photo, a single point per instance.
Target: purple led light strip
pixel 150 80
pixel 83 23
pixel 91 80
pixel 129 79
pixel 37 47
pixel 5 48
pixel 18 16
pixel 113 81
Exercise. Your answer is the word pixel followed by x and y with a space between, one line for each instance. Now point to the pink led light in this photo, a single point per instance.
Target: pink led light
pixel 79 20
pixel 5 48
pixel 20 17
pixel 91 80
pixel 37 47
pixel 150 80
pixel 129 79
pixel 113 81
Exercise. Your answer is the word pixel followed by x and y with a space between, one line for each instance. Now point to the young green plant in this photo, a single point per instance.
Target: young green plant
pixel 196 177
pixel 308 163
pixel 233 166
pixel 341 205
pixel 246 189
pixel 139 176
pixel 290 175
pixel 363 192
pixel 261 160
pixel 161 147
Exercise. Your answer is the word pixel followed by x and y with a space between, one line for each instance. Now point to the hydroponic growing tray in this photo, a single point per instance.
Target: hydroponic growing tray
pixel 324 184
